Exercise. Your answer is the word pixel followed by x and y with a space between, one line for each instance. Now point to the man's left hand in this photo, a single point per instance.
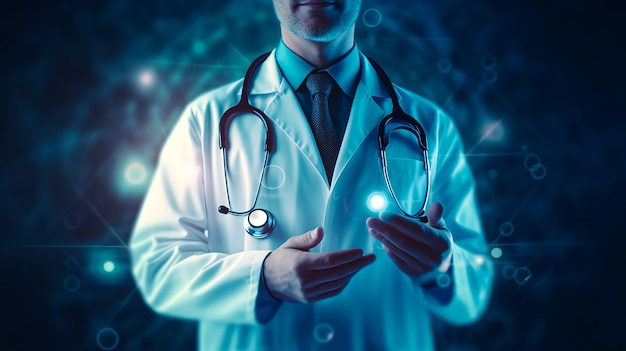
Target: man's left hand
pixel 421 250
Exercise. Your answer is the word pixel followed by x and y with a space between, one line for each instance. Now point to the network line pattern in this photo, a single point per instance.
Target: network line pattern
pixel 108 151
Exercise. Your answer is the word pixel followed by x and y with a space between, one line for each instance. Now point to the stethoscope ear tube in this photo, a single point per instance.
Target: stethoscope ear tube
pixel 258 222
pixel 243 107
pixel 419 215
pixel 406 123
pixel 409 124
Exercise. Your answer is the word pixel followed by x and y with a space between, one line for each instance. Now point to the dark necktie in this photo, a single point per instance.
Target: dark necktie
pixel 328 142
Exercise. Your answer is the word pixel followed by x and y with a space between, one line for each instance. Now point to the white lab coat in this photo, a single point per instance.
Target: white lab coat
pixel 191 262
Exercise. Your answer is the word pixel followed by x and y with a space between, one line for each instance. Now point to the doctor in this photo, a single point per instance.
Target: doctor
pixel 333 273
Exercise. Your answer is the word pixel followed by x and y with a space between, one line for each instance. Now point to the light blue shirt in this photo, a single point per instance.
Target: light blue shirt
pixel 345 73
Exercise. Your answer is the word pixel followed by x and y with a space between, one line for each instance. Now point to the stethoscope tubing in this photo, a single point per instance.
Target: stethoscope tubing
pixel 410 124
pixel 258 190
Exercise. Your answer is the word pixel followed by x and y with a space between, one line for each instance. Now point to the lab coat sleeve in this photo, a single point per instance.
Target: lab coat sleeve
pixel 174 268
pixel 471 271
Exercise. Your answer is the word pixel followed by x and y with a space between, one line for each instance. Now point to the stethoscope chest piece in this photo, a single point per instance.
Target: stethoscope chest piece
pixel 259 223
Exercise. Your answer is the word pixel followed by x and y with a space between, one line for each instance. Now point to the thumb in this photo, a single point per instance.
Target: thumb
pixel 305 241
pixel 435 211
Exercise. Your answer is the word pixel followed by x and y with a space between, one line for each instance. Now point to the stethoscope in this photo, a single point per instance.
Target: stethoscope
pixel 259 223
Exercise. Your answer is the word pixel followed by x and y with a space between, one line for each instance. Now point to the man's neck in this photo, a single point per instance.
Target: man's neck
pixel 318 54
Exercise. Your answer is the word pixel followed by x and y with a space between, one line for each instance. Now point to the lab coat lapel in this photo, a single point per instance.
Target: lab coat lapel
pixel 270 89
pixel 368 108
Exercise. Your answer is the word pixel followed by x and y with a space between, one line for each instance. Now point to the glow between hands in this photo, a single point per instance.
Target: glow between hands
pixel 420 250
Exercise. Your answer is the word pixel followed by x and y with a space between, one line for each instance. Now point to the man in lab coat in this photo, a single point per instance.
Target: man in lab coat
pixel 333 274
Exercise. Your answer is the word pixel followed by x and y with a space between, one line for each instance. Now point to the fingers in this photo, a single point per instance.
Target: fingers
pixel 434 214
pixel 417 252
pixel 293 274
pixel 414 247
pixel 414 269
pixel 406 246
pixel 407 229
pixel 330 282
pixel 338 272
pixel 387 233
pixel 336 258
pixel 328 294
pixel 327 289
pixel 389 221
pixel 424 261
pixel 305 241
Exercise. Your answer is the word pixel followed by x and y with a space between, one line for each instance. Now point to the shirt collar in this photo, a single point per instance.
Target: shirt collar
pixel 295 69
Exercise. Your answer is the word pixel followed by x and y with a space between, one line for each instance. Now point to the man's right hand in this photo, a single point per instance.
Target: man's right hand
pixel 293 274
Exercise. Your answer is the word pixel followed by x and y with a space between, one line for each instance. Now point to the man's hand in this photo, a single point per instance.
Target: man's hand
pixel 418 249
pixel 293 274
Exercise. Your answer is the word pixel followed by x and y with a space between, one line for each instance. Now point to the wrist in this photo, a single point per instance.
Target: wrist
pixel 266 304
pixel 263 280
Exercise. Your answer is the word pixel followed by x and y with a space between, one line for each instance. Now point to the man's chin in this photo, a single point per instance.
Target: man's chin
pixel 320 35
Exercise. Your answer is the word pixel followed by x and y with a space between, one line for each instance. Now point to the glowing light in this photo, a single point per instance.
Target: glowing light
pixel 488 62
pixel 539 172
pixel 490 76
pixel 199 47
pixel 372 17
pixel 71 283
pixel 493 131
pixel 479 260
pixel 508 271
pixel 532 162
pixel 135 173
pixel 323 333
pixel 107 339
pixel 71 220
pixel 70 263
pixel 376 202
pixel 522 275
pixel 274 177
pixel 443 280
pixel 444 66
pixel 496 252
pixel 146 78
pixel 506 228
pixel 108 266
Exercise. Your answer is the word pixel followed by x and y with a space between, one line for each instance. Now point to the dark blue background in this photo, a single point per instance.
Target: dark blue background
pixel 75 116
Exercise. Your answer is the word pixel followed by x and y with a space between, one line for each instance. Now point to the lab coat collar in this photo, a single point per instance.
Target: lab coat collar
pixel 268 78
pixel 371 100
pixel 272 93
pixel 368 108
pixel 372 85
